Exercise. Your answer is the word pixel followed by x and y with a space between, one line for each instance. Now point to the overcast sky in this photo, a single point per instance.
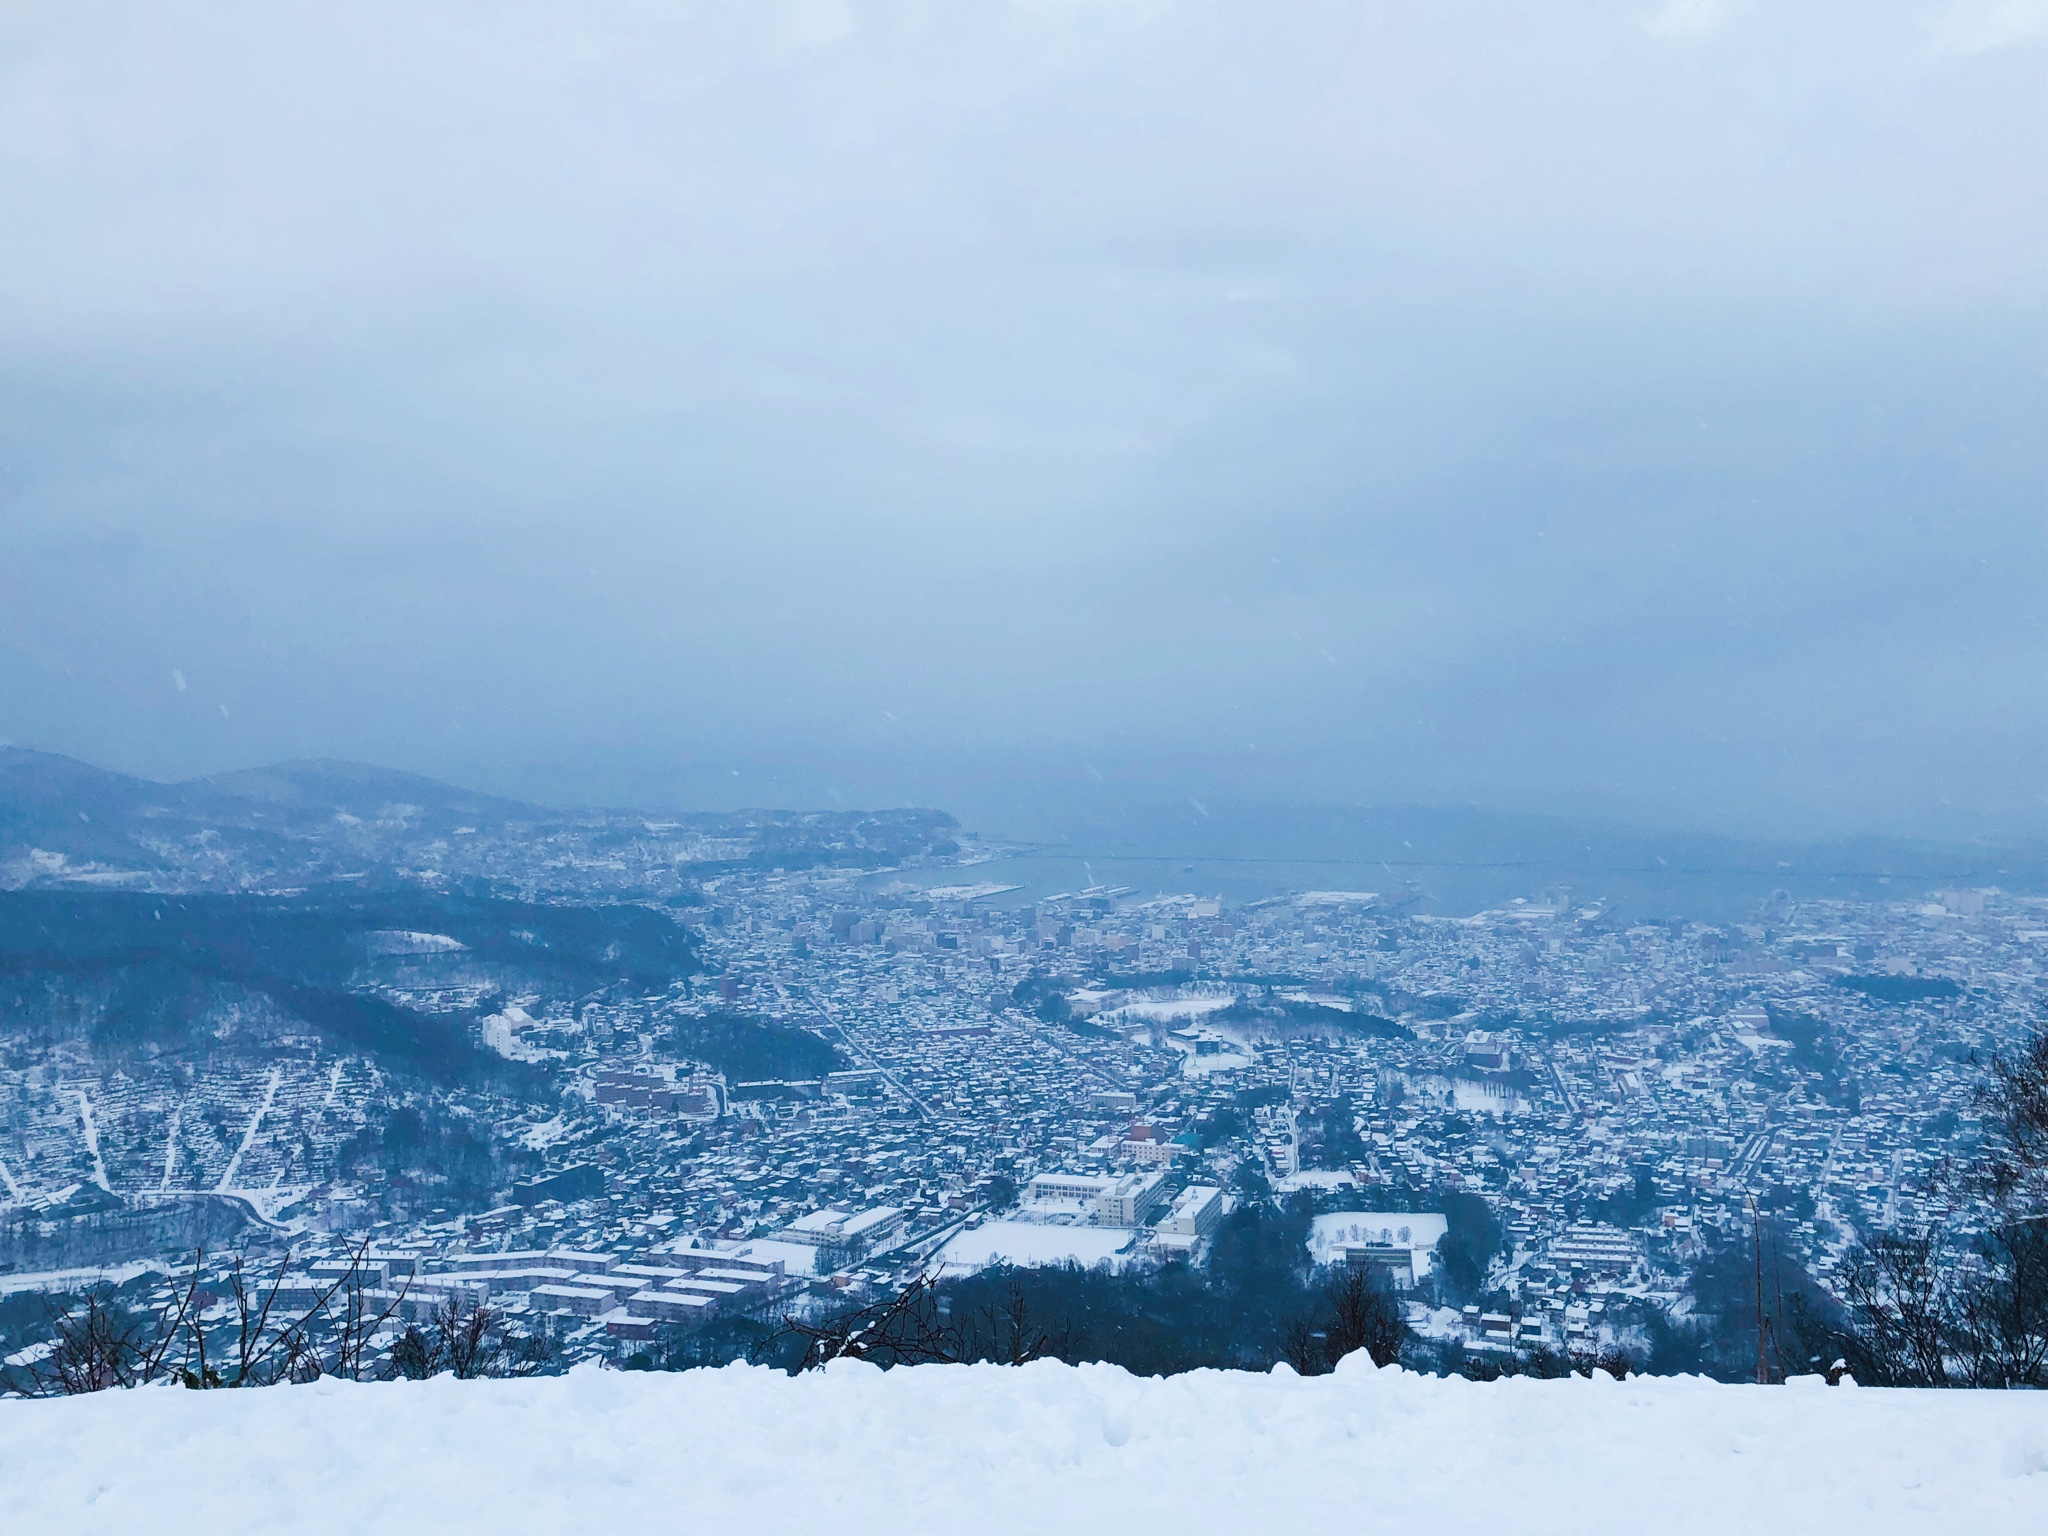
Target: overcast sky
pixel 1586 405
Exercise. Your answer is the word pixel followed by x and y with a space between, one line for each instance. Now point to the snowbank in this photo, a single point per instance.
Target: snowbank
pixel 1047 1447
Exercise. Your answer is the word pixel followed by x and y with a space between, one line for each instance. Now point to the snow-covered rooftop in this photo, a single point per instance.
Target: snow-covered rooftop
pixel 1048 1447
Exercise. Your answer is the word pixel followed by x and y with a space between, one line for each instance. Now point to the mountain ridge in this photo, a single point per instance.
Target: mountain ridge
pixel 314 820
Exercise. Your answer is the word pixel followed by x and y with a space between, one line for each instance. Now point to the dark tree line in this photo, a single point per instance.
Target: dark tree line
pixel 1255 1302
pixel 1150 1324
pixel 750 1049
pixel 1357 1311
pixel 920 1325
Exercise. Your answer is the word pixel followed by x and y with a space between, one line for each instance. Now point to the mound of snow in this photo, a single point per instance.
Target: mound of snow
pixel 1048 1447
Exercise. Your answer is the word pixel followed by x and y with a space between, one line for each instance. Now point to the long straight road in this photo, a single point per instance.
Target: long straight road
pixel 867 1053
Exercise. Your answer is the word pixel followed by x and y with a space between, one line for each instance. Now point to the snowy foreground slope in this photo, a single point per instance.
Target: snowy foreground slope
pixel 1044 1448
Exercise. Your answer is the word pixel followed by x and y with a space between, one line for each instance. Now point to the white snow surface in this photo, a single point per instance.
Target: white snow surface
pixel 1029 1245
pixel 797 1258
pixel 1167 1010
pixel 1316 1178
pixel 77 1279
pixel 1042 1448
pixel 1419 1231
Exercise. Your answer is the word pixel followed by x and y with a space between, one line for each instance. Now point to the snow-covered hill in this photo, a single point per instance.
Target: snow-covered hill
pixel 1047 1448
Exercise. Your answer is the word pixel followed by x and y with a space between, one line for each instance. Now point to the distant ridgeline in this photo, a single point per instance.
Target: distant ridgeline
pixel 64 822
pixel 832 839
pixel 127 971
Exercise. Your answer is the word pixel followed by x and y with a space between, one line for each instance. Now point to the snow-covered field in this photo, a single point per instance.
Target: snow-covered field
pixel 1045 1448
pixel 1416 1230
pixel 1165 1011
pixel 1029 1245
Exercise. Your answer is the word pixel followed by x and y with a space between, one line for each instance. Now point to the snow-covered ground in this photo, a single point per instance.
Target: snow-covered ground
pixel 992 1451
pixel 1165 1011
pixel 1316 1178
pixel 77 1279
pixel 1418 1231
pixel 1028 1245
pixel 797 1258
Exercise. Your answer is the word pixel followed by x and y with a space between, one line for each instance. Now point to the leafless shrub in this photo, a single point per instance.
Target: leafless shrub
pixel 1919 1312
pixel 1363 1315
pixel 2001 1323
pixel 354 1321
pixel 1541 1361
pixel 467 1340
pixel 1305 1347
pixel 1900 1302
pixel 1004 1332
pixel 1615 1362
pixel 1964 1307
pixel 263 1345
pixel 913 1327
pixel 97 1345
pixel 2011 1167
pixel 472 1339
pixel 416 1354
pixel 94 1349
pixel 1356 1311
pixel 1544 1363
pixel 904 1329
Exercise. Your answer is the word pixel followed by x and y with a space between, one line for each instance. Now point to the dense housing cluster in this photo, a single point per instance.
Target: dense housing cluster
pixel 867 1077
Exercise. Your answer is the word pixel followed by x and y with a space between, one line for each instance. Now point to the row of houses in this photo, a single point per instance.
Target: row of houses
pixel 632 1297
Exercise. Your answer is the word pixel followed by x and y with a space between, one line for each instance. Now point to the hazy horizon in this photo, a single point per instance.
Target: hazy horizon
pixel 1628 410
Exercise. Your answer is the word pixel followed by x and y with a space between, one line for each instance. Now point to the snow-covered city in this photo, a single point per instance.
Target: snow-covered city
pixel 1544 1125
pixel 870 765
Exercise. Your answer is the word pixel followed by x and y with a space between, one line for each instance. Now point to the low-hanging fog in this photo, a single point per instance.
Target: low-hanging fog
pixel 1606 407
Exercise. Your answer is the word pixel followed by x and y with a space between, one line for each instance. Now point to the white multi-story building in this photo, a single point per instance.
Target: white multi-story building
pixel 1106 1199
pixel 1196 1212
pixel 1059 1189
pixel 1596 1249
pixel 1131 1200
pixel 844 1237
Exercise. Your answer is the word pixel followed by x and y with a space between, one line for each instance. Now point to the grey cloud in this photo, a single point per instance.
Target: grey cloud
pixel 908 400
